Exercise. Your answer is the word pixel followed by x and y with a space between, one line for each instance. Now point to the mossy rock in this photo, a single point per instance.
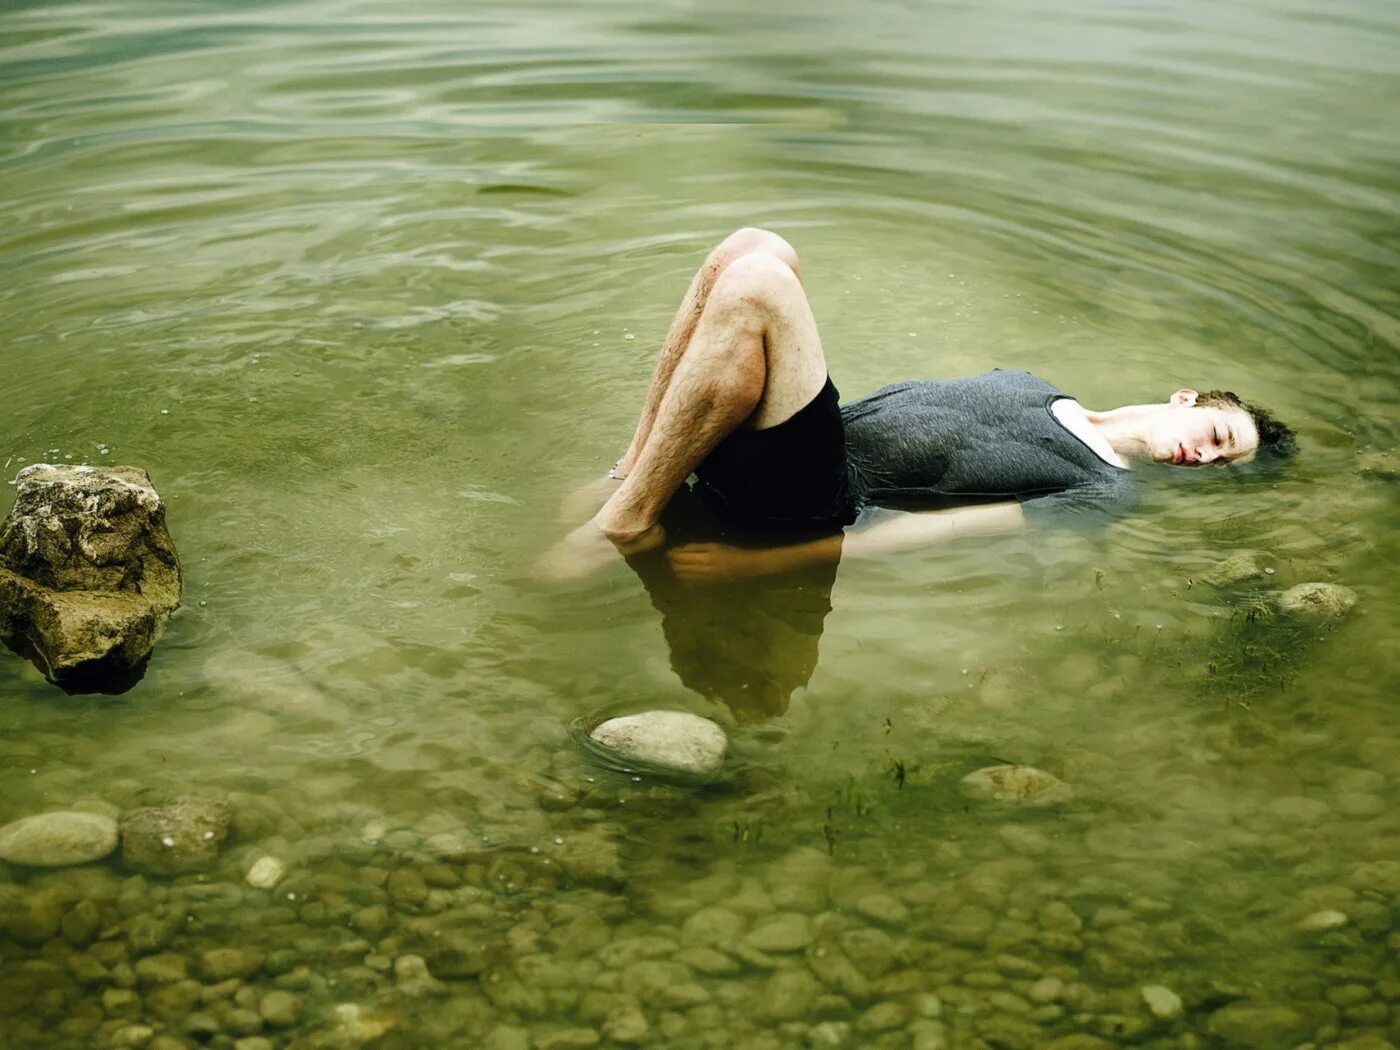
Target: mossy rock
pixel 88 572
pixel 1318 600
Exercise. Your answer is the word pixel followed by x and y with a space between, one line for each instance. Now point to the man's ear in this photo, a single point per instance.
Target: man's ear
pixel 1184 397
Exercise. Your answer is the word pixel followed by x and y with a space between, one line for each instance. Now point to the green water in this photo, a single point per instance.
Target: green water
pixel 366 287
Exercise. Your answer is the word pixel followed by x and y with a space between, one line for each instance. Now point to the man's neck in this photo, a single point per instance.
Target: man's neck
pixel 1074 417
pixel 1126 429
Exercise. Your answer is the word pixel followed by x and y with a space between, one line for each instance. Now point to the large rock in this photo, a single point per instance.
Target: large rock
pixel 668 740
pixel 1322 600
pixel 52 840
pixel 181 837
pixel 1021 785
pixel 88 574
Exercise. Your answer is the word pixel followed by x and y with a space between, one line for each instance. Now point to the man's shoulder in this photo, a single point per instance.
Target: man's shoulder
pixel 995 392
pixel 1021 378
pixel 997 378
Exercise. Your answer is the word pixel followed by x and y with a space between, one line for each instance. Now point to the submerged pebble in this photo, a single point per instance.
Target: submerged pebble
pixel 266 873
pixel 1022 785
pixel 1382 464
pixel 184 836
pixel 1164 1003
pixel 1250 1026
pixel 784 932
pixel 1322 600
pixel 1234 569
pixel 1322 921
pixel 51 840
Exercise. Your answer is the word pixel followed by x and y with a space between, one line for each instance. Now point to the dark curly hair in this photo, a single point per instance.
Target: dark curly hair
pixel 1274 436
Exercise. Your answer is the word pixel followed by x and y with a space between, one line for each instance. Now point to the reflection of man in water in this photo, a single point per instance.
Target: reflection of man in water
pixel 741 398
pixel 747 643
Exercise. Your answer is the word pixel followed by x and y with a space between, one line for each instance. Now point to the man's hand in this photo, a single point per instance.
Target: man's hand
pixel 716 563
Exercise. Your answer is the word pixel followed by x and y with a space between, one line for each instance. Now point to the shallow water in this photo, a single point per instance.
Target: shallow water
pixel 366 288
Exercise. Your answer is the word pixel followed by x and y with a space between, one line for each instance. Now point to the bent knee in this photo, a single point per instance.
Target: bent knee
pixel 758 280
pixel 752 240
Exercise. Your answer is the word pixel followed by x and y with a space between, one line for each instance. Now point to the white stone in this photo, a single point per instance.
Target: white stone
pixel 266 873
pixel 52 840
pixel 1024 785
pixel 672 740
pixel 1322 921
pixel 1164 1003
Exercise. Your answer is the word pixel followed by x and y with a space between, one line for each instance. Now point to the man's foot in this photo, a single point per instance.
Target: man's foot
pixel 587 549
pixel 584 502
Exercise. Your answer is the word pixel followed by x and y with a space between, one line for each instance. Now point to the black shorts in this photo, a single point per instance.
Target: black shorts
pixel 788 478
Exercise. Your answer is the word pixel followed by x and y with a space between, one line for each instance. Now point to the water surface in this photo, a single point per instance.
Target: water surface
pixel 366 287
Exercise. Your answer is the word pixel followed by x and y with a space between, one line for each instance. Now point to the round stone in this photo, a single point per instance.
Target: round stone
pixel 784 932
pixel 1298 809
pixel 1022 785
pixel 1250 1026
pixel 789 995
pixel 713 927
pixel 175 839
pixel 671 740
pixel 1322 921
pixel 883 908
pixel 626 1025
pixel 51 840
pixel 220 964
pixel 1360 804
pixel 266 873
pixel 280 1009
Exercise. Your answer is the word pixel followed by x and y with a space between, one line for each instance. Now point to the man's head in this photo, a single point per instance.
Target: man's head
pixel 1216 428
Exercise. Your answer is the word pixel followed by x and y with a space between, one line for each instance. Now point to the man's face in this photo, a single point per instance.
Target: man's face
pixel 1206 435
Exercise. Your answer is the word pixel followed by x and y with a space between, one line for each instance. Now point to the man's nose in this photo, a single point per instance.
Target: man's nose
pixel 1207 455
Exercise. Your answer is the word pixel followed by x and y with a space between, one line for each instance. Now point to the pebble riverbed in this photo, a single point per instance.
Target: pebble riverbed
pixel 586 908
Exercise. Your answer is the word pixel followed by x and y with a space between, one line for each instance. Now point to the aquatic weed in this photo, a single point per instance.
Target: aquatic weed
pixel 898 773
pixel 1258 651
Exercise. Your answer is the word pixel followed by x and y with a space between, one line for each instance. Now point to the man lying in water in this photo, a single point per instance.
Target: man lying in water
pixel 741 398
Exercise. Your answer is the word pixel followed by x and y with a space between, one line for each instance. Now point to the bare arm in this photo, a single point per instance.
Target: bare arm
pixel 908 531
pixel 718 562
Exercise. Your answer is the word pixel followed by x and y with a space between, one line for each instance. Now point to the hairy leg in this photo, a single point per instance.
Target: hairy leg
pixel 678 338
pixel 753 359
pixel 584 502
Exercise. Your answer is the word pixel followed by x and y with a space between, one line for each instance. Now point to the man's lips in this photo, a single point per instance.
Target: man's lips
pixel 1180 454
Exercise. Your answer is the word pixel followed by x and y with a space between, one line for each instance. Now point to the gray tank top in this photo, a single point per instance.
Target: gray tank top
pixel 989 437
